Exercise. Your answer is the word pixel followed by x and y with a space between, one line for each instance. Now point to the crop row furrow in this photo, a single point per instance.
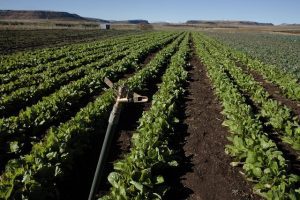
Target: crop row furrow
pixel 80 59
pixel 279 116
pixel 54 156
pixel 27 60
pixel 59 106
pixel 71 60
pixel 12 103
pixel 36 78
pixel 259 156
pixel 281 51
pixel 136 176
pixel 287 82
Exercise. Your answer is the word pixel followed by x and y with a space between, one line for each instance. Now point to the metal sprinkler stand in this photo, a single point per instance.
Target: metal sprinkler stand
pixel 123 96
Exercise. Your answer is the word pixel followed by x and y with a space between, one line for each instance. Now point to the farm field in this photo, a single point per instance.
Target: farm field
pixel 280 50
pixel 222 120
pixel 15 40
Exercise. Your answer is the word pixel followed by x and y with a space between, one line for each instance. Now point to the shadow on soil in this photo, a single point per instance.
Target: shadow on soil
pixel 174 175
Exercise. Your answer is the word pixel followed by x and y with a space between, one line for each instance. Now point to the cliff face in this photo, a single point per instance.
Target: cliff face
pixel 57 16
pixel 35 15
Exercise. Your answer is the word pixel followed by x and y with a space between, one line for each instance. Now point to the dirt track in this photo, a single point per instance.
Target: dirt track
pixel 206 173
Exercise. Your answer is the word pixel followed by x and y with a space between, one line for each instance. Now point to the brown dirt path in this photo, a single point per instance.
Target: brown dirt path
pixel 274 91
pixel 206 174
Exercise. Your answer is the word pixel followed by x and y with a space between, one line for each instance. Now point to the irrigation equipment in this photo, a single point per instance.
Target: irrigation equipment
pixel 123 95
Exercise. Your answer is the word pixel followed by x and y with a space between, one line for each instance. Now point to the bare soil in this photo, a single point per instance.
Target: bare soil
pixel 292 156
pixel 206 173
pixel 275 92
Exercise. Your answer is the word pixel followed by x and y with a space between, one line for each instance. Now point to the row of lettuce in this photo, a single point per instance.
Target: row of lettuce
pixel 279 50
pixel 29 59
pixel 279 116
pixel 286 81
pixel 138 174
pixel 85 53
pixel 12 103
pixel 263 163
pixel 38 74
pixel 36 175
pixel 18 132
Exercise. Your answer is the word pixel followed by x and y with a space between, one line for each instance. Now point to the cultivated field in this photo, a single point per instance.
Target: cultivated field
pixel 280 50
pixel 21 40
pixel 222 120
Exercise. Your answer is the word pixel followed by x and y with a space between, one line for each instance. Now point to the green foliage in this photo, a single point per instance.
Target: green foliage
pixel 281 51
pixel 52 79
pixel 259 156
pixel 279 116
pixel 34 176
pixel 54 107
pixel 136 176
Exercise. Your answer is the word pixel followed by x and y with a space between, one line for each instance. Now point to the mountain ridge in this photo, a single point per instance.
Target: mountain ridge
pixel 59 16
pixel 39 15
pixel 66 16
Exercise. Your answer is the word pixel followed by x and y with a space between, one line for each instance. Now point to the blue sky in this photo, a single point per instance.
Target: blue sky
pixel 274 11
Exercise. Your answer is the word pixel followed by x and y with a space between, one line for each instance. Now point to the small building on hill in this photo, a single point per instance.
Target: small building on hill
pixel 104 26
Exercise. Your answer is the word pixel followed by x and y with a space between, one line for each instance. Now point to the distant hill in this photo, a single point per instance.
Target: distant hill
pixel 97 20
pixel 65 16
pixel 161 23
pixel 58 16
pixel 284 24
pixel 135 21
pixel 39 15
pixel 228 23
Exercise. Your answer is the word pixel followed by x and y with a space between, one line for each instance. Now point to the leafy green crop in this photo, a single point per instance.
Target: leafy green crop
pixel 279 116
pixel 34 176
pixel 282 51
pixel 137 176
pixel 29 95
pixel 286 80
pixel 262 162
pixel 26 62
